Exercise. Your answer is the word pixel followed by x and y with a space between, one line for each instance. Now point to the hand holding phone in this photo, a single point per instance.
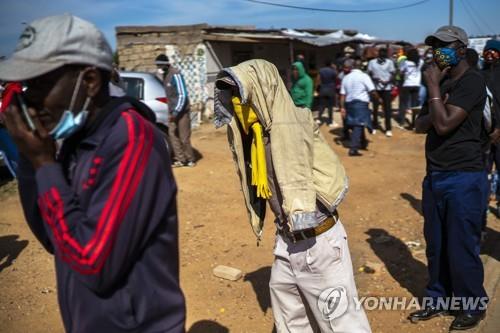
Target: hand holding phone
pixel 13 94
pixel 30 136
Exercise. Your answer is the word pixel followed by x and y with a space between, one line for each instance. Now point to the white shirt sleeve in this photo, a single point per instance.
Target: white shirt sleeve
pixel 368 83
pixel 342 87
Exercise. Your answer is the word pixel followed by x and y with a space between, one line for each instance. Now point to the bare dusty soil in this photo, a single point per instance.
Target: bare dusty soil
pixel 381 215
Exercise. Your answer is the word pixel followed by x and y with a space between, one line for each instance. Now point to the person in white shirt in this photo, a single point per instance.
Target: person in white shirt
pixel 355 94
pixel 411 69
pixel 381 70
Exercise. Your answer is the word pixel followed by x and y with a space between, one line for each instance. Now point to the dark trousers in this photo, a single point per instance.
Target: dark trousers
pixel 358 138
pixel 345 130
pixel 326 101
pixel 387 99
pixel 453 205
pixel 408 99
pixel 179 132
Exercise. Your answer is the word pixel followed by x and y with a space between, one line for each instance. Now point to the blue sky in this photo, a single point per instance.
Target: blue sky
pixel 411 24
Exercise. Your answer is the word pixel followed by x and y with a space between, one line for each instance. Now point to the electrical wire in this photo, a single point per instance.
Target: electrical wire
pixel 268 3
pixel 480 17
pixel 473 19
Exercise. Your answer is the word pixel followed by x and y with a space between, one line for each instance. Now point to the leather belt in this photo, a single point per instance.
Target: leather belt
pixel 297 236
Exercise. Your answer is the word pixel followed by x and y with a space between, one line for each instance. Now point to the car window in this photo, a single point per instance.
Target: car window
pixel 134 87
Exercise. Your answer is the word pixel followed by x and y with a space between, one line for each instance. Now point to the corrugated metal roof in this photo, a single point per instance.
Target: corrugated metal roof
pixel 250 34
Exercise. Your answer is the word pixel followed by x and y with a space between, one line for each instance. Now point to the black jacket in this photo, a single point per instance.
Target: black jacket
pixel 107 211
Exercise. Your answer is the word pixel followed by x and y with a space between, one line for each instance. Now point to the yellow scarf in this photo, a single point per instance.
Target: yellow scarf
pixel 248 119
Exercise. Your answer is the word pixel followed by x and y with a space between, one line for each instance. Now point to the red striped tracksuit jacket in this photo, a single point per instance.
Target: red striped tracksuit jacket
pixel 107 211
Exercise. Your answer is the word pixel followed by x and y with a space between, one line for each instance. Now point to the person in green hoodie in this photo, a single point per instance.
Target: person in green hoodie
pixel 302 86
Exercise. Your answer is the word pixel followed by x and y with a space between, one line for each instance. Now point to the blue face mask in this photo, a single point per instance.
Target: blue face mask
pixel 69 123
pixel 446 57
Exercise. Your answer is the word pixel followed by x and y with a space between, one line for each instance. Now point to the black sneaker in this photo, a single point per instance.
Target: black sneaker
pixel 466 321
pixel 426 314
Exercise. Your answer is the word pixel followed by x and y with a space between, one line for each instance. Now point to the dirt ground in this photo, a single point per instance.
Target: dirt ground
pixel 381 215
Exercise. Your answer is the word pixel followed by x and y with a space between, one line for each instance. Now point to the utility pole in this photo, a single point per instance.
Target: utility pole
pixel 451 13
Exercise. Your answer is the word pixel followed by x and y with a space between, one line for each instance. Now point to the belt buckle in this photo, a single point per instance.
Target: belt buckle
pixel 294 239
pixel 289 236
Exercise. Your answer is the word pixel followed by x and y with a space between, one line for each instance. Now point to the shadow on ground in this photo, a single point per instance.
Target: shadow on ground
pixel 207 326
pixel 414 202
pixel 409 272
pixel 491 245
pixel 10 248
pixel 260 284
pixel 197 155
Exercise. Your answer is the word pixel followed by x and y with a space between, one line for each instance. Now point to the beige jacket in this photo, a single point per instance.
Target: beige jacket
pixel 305 166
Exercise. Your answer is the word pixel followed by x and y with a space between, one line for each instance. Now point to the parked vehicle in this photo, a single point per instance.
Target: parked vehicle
pixel 8 157
pixel 147 88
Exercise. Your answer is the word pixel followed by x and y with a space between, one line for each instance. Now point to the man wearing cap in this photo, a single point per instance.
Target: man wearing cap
pixel 179 127
pixel 283 160
pixel 456 186
pixel 90 176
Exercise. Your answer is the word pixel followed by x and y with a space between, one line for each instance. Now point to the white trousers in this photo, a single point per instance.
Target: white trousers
pixel 315 273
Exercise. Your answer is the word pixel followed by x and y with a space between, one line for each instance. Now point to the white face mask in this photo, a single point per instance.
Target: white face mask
pixel 69 123
pixel 160 71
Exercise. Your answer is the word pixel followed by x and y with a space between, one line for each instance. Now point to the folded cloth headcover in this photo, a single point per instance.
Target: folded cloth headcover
pixel 249 120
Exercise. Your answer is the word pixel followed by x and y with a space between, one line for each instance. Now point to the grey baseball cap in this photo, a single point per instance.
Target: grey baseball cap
pixel 448 33
pixel 51 42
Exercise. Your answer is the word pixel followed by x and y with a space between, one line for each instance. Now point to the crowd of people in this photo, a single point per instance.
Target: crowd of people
pixel 97 188
pixel 398 88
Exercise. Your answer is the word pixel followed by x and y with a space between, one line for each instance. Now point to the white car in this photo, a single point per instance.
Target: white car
pixel 147 88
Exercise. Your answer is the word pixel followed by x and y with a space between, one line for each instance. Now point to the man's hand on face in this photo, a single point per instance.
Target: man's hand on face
pixel 38 146
pixel 433 75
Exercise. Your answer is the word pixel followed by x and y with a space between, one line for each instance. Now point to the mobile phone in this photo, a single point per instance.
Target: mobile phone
pixel 13 94
pixel 24 112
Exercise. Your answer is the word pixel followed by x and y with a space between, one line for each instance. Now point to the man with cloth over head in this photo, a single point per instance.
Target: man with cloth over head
pixel 282 158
